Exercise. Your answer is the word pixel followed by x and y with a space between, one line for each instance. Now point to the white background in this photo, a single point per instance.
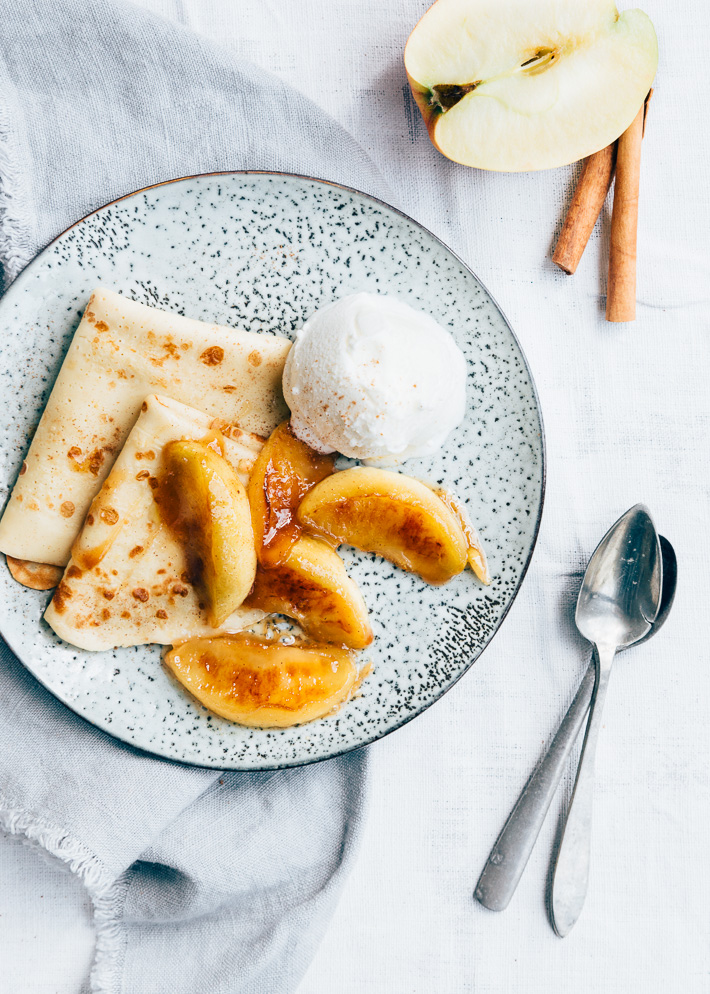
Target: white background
pixel 626 409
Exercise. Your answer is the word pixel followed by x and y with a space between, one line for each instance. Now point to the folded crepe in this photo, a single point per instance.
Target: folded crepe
pixel 126 582
pixel 121 352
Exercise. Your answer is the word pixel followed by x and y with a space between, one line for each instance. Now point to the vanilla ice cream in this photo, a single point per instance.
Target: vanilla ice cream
pixel 373 378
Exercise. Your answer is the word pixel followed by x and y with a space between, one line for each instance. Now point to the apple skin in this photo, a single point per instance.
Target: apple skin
pixel 590 69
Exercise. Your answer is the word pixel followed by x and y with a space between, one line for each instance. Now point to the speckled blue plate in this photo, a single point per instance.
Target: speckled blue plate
pixel 263 251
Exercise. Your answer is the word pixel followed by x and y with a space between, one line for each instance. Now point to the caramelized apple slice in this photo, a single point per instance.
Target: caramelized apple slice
pixel 284 472
pixel 203 501
pixel 264 684
pixel 312 587
pixel 476 556
pixel 391 514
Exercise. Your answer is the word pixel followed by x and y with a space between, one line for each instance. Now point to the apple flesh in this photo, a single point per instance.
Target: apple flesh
pixel 203 502
pixel 511 85
pixel 393 515
pixel 264 684
pixel 312 587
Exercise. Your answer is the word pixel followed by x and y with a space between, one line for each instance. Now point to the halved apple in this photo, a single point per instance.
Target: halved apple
pixel 264 684
pixel 391 514
pixel 202 500
pixel 513 85
pixel 283 473
pixel 312 587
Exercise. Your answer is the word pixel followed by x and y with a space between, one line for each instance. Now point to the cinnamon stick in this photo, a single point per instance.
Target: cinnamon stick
pixel 587 202
pixel 621 285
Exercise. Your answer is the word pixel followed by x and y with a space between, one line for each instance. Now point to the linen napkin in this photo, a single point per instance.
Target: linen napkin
pixel 201 882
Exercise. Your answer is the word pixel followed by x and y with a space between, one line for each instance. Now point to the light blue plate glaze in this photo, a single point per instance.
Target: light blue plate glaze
pixel 262 252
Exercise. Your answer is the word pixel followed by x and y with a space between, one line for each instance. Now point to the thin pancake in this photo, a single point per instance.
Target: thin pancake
pixel 36 576
pixel 126 583
pixel 121 352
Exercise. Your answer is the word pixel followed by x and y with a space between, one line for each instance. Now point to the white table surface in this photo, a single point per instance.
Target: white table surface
pixel 628 418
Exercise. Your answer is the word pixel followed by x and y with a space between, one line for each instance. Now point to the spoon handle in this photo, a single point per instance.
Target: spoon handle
pixel 569 885
pixel 510 854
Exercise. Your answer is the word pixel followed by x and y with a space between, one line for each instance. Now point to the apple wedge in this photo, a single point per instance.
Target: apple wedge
pixel 391 514
pixel 476 555
pixel 284 472
pixel 264 684
pixel 202 500
pixel 312 587
pixel 512 85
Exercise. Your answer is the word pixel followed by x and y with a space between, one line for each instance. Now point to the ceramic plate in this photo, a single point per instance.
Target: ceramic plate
pixel 263 251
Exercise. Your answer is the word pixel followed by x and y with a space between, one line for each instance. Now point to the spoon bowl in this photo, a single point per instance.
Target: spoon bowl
pixel 669 582
pixel 621 590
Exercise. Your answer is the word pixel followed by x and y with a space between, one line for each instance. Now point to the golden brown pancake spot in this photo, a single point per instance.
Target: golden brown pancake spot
pixel 36 576
pixel 109 515
pixel 109 594
pixel 161 614
pixel 23 468
pixel 62 594
pixel 254 358
pixel 212 356
pixel 91 463
pixel 141 594
pixel 135 551
pixel 67 509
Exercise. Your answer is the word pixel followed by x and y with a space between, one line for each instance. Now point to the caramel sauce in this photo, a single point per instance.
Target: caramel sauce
pixel 214 439
pixel 284 587
pixel 183 516
pixel 283 474
pixel 86 559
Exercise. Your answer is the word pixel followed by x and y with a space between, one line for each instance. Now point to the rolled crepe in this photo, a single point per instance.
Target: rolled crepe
pixel 121 352
pixel 127 582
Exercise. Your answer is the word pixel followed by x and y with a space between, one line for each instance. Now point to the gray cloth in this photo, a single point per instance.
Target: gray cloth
pixel 201 882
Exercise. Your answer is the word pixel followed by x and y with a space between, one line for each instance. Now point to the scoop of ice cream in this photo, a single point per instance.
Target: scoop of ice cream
pixel 373 378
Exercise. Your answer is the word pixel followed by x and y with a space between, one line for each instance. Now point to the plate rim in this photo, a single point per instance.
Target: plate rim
pixel 294 764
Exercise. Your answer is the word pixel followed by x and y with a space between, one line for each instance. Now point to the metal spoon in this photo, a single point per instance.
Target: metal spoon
pixel 617 605
pixel 510 854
